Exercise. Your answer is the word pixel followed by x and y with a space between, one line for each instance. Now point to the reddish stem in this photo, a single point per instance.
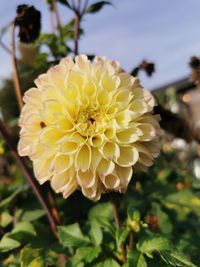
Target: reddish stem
pixel 28 176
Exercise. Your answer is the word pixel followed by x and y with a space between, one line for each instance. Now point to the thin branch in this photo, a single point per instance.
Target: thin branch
pixel 15 68
pixel 29 177
pixel 52 204
pixel 84 7
pixel 58 19
pixel 130 246
pixel 76 33
pixel 77 20
pixel 115 211
pixel 79 6
pixel 73 5
pixel 5 47
pixel 51 18
pixel 117 224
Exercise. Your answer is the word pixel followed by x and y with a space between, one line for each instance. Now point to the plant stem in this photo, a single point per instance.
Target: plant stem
pixel 85 7
pixel 51 18
pixel 58 19
pixel 115 211
pixel 15 68
pixel 29 177
pixel 5 47
pixel 18 93
pixel 130 246
pixel 117 224
pixel 76 33
pixel 52 203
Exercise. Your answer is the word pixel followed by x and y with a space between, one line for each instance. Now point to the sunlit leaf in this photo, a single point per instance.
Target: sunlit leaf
pixel 72 236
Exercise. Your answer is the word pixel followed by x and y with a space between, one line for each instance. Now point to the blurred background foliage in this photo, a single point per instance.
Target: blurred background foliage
pixel 159 214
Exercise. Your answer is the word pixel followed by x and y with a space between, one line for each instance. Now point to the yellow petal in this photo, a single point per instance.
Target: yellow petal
pixel 95 158
pixel 49 136
pixel 128 156
pixel 61 163
pixel 127 136
pixel 86 178
pixel 83 158
pixel 110 151
pixel 42 170
pixel 68 147
pixel 148 131
pixel 111 181
pixel 96 140
pixel 124 175
pixel 105 167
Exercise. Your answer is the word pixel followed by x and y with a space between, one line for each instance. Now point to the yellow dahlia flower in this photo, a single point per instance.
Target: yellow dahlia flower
pixel 85 125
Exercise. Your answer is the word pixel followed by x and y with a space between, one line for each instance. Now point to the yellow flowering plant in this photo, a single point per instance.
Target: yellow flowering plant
pixel 91 134
pixel 88 125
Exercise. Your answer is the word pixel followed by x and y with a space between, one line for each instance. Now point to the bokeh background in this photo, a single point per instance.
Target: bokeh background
pixel 164 32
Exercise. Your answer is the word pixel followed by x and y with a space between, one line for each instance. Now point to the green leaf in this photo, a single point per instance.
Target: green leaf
pixel 149 245
pixel 5 219
pixel 68 30
pixel 8 243
pixel 164 222
pixel 25 227
pixel 106 225
pixel 23 232
pixel 121 235
pixel 136 259
pixel 32 215
pixel 5 202
pixel 97 7
pixel 4 30
pixel 65 2
pixel 96 233
pixel 102 214
pixel 32 257
pixel 107 263
pixel 87 254
pixel 185 198
pixel 135 71
pixel 176 258
pixel 72 236
pixel 101 210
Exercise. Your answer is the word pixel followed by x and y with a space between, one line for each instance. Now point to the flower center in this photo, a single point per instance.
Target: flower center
pixel 90 122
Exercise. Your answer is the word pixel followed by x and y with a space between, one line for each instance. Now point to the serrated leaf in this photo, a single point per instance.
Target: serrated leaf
pixel 136 259
pixel 72 236
pixel 87 254
pixel 97 7
pixel 96 233
pixel 176 258
pixel 121 235
pixel 185 198
pixel 102 214
pixel 106 225
pixel 152 244
pixel 32 257
pixel 8 243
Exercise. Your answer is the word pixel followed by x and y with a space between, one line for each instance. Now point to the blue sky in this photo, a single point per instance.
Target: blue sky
pixel 165 32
